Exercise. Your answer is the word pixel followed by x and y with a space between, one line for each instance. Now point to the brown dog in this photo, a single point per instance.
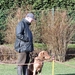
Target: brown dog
pixel 38 61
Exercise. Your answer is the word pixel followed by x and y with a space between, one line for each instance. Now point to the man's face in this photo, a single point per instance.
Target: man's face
pixel 30 19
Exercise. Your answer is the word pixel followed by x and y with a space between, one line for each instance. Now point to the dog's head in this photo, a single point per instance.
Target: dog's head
pixel 44 55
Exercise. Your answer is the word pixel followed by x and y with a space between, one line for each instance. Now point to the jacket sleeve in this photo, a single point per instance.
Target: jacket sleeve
pixel 20 32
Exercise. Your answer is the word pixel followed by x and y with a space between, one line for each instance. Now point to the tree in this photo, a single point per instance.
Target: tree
pixel 57 34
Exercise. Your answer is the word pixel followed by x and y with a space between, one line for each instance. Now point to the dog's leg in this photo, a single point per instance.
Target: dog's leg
pixel 34 69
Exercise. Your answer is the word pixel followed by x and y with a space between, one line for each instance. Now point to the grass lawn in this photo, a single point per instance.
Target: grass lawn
pixel 71 46
pixel 59 69
pixel 6 69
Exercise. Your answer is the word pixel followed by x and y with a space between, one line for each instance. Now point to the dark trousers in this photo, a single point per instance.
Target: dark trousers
pixel 23 58
pixel 25 66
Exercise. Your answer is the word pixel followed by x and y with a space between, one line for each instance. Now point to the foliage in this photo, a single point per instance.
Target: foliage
pixel 2 26
pixel 4 8
pixel 37 31
pixel 57 32
pixel 38 4
pixel 6 5
pixel 48 4
pixel 12 20
pixel 50 30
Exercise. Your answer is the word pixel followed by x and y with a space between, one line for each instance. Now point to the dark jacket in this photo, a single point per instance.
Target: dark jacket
pixel 24 39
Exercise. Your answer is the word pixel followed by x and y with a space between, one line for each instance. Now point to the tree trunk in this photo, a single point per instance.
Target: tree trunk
pixel 61 55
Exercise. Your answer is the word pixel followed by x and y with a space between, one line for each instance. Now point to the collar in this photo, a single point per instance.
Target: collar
pixel 28 23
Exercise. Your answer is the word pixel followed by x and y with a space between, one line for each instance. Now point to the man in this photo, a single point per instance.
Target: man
pixel 24 42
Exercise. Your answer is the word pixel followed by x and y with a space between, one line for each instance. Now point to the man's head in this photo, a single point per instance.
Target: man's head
pixel 30 17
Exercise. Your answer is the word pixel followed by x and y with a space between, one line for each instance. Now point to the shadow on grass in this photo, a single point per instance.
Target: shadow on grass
pixel 70 53
pixel 65 74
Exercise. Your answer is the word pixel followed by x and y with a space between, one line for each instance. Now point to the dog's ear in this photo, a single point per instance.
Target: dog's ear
pixel 43 52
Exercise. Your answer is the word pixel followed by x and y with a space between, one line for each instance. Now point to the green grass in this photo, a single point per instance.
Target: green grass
pixel 71 45
pixel 43 46
pixel 6 69
pixel 59 69
pixel 40 46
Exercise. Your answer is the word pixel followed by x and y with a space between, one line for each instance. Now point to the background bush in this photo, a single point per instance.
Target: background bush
pixel 6 7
